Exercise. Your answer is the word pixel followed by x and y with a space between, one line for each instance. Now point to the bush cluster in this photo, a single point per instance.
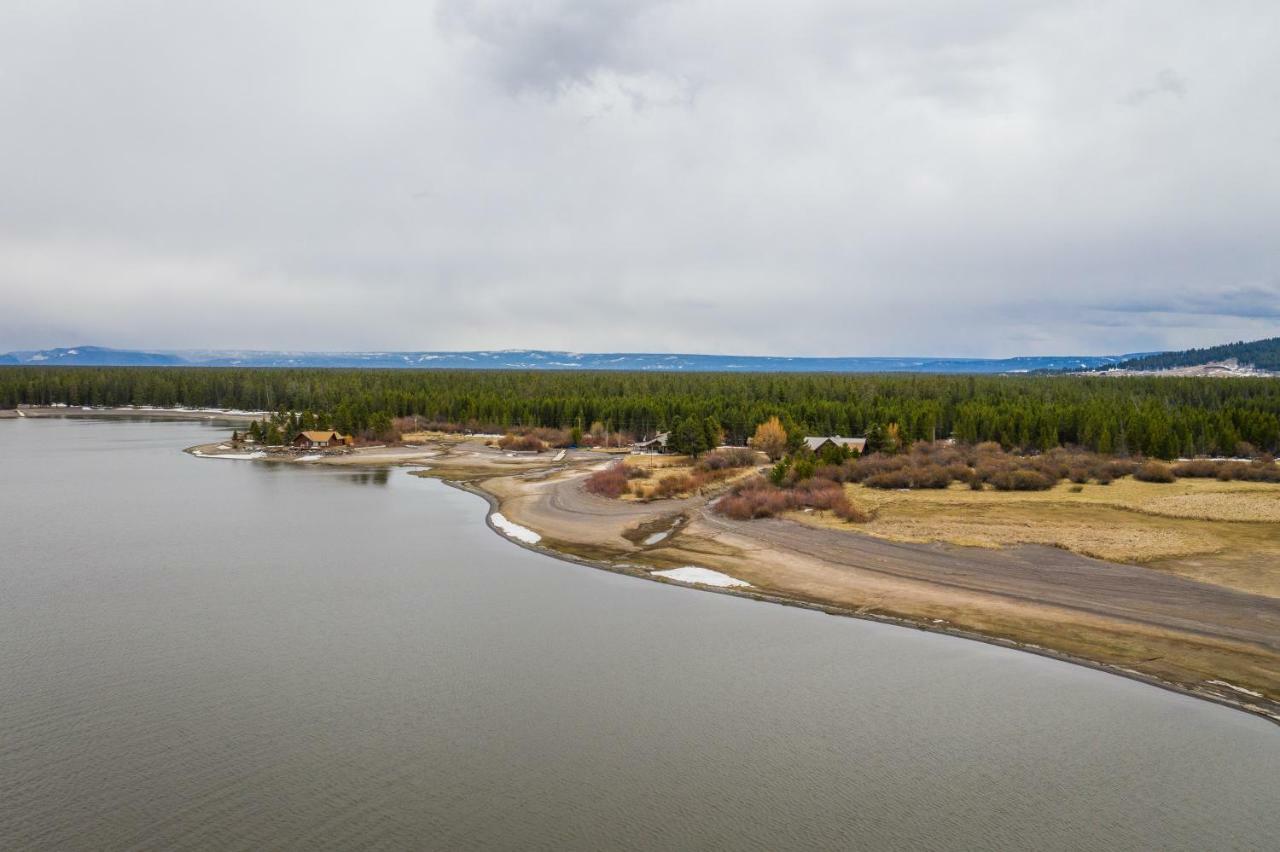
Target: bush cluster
pixel 759 498
pixel 526 442
pixel 727 459
pixel 937 465
pixel 613 480
pixel 608 482
pixel 1154 471
pixel 1262 469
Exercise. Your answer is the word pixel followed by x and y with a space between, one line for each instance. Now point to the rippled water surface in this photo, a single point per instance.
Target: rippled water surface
pixel 225 654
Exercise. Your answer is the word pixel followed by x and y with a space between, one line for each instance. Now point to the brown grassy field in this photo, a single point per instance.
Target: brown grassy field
pixel 1226 533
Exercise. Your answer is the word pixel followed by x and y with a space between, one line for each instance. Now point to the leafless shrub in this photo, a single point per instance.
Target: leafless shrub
pixel 900 478
pixel 760 499
pixel 1154 471
pixel 1197 468
pixel 609 482
pixel 1022 479
pixel 522 443
pixel 1257 471
pixel 727 459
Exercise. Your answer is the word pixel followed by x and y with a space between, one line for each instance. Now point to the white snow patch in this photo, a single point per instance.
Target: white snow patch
pixel 701 576
pixel 654 538
pixel 515 531
pixel 257 455
pixel 1239 689
pixel 312 457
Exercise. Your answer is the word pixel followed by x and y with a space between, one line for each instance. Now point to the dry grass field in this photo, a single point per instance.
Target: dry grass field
pixel 1227 533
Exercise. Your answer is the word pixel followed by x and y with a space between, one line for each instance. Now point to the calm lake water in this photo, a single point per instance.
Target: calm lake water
pixel 223 654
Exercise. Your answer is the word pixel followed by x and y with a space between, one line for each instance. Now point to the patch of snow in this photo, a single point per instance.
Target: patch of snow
pixel 515 531
pixel 701 576
pixel 654 538
pixel 559 456
pixel 1239 689
pixel 312 457
pixel 257 455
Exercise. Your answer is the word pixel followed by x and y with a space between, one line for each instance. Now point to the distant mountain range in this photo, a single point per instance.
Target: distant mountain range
pixel 92 356
pixel 539 359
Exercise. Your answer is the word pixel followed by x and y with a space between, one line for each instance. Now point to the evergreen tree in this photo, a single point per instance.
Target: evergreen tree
pixel 875 439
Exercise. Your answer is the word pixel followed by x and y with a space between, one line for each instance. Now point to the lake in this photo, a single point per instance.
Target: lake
pixel 228 654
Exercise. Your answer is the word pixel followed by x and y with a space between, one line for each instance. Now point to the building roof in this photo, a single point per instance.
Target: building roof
pixel 321 437
pixel 660 438
pixel 816 441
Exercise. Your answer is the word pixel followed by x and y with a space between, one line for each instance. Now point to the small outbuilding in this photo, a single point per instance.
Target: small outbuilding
pixel 315 440
pixel 656 444
pixel 816 443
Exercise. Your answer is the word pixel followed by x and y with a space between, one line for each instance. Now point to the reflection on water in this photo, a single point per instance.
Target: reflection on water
pixel 224 654
pixel 368 477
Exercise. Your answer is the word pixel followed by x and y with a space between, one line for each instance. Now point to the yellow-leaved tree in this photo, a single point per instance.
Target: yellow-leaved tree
pixel 770 438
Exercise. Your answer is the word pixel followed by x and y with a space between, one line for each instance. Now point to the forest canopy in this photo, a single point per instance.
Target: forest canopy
pixel 1164 417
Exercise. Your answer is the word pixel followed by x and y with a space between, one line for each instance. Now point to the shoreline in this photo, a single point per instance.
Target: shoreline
pixel 495 507
pixel 154 413
pixel 583 537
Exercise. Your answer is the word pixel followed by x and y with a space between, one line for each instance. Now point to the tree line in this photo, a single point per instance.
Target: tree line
pixel 1263 354
pixel 1156 416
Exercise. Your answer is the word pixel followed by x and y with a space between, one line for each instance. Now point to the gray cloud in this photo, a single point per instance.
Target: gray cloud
pixel 1167 82
pixel 820 178
pixel 550 45
pixel 1254 301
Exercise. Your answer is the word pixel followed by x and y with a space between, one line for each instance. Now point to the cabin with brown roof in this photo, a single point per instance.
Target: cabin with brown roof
pixel 817 442
pixel 315 440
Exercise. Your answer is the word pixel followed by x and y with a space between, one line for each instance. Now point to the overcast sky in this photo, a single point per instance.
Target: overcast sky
pixel 820 178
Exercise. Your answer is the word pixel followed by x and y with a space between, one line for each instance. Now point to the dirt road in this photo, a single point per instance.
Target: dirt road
pixel 1034 574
